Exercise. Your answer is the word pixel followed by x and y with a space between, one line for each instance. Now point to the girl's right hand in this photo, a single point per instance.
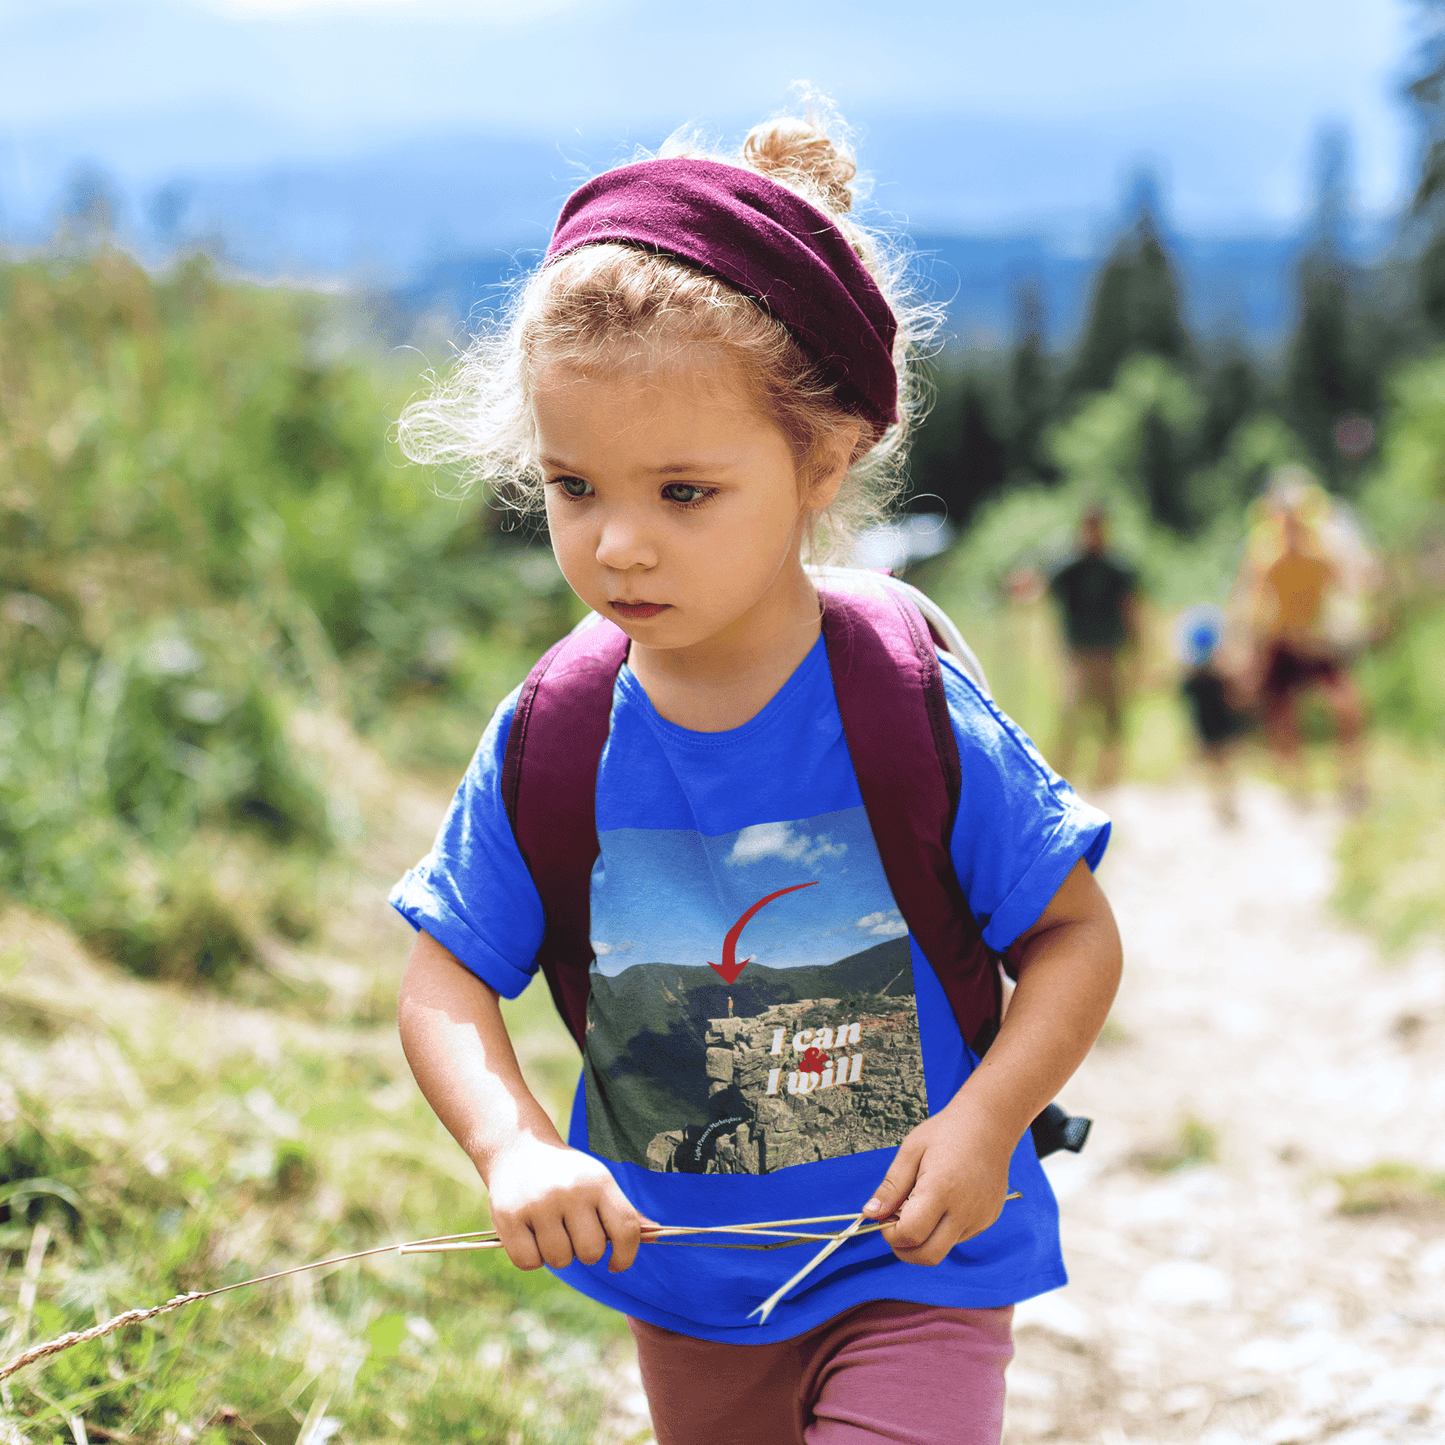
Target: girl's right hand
pixel 551 1204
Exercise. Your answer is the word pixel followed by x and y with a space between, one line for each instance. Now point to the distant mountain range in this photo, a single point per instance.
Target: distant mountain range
pixel 661 997
pixel 440 229
pixel 1240 286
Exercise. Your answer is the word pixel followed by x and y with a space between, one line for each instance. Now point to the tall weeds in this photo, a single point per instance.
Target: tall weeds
pixel 201 529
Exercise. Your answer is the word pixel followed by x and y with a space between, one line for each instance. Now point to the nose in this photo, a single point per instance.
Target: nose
pixel 625 541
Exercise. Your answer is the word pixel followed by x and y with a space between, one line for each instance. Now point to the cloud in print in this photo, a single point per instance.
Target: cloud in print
pixel 780 840
pixel 883 925
pixel 674 894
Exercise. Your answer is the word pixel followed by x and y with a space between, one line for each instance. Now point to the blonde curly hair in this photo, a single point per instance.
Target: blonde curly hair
pixel 601 305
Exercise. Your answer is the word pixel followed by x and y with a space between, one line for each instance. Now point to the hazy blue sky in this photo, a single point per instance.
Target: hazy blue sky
pixel 671 895
pixel 974 113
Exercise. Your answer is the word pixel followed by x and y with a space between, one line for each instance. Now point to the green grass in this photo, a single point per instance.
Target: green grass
pixel 228 615
pixel 1194 1142
pixel 1392 858
pixel 168 1143
pixel 1392 1187
pixel 203 531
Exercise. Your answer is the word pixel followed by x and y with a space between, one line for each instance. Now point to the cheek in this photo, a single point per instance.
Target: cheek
pixel 771 521
pixel 568 539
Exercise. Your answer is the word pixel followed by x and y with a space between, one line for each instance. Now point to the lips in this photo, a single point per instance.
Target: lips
pixel 638 610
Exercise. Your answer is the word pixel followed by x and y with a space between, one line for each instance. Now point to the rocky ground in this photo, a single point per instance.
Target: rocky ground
pixel 1232 1299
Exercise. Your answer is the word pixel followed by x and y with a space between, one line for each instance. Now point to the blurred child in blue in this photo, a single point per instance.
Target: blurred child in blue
pixel 1210 694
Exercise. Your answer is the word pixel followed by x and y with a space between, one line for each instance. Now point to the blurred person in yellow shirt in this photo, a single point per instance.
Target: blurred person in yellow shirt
pixel 1292 583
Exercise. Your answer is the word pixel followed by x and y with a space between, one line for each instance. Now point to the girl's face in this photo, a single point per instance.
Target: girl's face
pixel 673 502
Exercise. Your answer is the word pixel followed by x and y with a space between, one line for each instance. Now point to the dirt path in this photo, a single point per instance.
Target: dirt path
pixel 1232 1301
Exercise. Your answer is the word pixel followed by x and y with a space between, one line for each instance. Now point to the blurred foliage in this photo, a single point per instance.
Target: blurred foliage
pixel 1404 498
pixel 200 530
pixel 1177 440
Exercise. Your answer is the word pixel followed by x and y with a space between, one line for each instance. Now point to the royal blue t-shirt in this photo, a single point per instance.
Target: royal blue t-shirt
pixel 762 1029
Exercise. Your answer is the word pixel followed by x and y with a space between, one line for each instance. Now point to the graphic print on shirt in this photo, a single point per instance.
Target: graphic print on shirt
pixel 752 1002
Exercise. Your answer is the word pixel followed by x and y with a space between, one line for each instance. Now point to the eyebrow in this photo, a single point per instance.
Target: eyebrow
pixel 667 469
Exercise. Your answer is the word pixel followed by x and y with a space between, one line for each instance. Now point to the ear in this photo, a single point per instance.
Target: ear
pixel 832 463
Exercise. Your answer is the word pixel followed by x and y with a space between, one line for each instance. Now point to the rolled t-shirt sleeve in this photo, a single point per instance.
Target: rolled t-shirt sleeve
pixel 472 892
pixel 1020 827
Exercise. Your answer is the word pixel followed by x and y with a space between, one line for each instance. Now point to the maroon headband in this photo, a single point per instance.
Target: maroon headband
pixel 762 239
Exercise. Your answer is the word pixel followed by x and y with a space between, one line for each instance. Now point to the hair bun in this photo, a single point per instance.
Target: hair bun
pixel 801 151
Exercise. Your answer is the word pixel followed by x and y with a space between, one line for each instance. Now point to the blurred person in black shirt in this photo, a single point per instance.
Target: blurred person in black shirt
pixel 1098 599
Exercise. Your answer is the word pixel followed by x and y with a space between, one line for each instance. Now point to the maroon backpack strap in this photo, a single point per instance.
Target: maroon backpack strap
pixel 549 787
pixel 889 684
pixel 904 755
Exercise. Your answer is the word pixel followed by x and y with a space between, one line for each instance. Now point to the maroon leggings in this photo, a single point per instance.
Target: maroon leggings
pixel 913 1374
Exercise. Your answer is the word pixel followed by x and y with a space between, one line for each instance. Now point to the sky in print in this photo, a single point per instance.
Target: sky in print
pixel 671 895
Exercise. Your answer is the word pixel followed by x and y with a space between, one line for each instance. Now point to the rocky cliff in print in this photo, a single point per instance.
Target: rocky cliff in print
pixel 771 1039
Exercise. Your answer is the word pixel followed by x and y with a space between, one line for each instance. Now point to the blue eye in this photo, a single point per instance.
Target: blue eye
pixel 574 486
pixel 685 493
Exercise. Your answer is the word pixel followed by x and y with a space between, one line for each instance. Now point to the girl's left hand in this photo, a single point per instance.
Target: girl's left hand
pixel 947 1183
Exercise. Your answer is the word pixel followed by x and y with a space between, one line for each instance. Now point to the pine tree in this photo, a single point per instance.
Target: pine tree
pixel 167 211
pixel 1319 384
pixel 1430 281
pixel 1163 473
pixel 1108 335
pixel 1135 304
pixel 1231 394
pixel 1030 399
pixel 1424 227
pixel 983 451
pixel 89 209
pixel 1323 379
pixel 961 456
pixel 1157 324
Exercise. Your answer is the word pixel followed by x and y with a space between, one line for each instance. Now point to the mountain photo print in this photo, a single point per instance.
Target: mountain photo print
pixel 752 1000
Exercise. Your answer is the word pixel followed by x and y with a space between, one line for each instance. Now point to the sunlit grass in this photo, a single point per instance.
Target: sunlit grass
pixel 1392 1187
pixel 1193 1142
pixel 1392 857
pixel 169 1143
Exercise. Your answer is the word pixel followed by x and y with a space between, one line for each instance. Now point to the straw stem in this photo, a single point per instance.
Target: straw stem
pixel 780 1233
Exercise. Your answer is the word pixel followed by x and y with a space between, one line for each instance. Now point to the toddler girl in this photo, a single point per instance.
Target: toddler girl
pixel 707 380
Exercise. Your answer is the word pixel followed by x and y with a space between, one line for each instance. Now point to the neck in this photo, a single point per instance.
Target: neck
pixel 727 679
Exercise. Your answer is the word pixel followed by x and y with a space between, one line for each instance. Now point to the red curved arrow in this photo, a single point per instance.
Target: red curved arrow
pixel 730 968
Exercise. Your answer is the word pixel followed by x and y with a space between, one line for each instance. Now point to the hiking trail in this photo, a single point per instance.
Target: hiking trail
pixel 1230 1300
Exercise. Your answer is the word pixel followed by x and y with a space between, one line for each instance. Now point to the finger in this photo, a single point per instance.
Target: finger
pixel 519 1242
pixel 934 1246
pixel 553 1242
pixel 896 1183
pixel 917 1219
pixel 624 1226
pixel 584 1228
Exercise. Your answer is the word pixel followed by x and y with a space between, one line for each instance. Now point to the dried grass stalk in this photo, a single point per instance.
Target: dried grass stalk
pixel 779 1231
